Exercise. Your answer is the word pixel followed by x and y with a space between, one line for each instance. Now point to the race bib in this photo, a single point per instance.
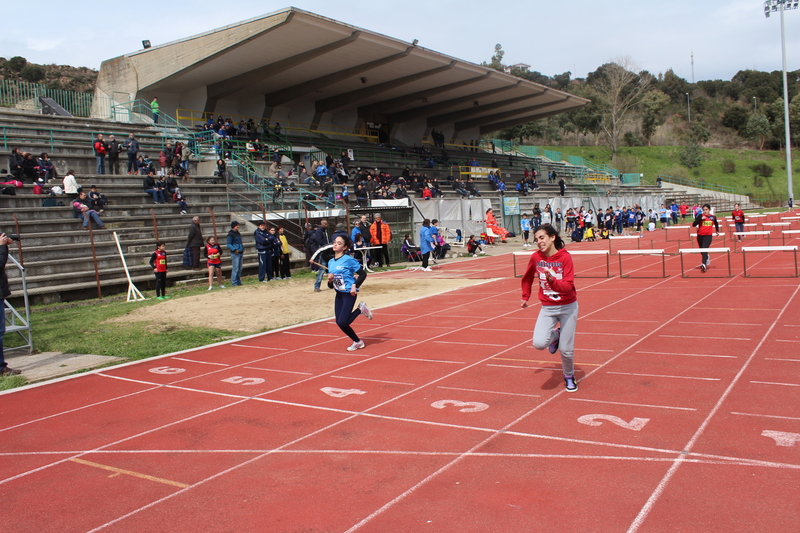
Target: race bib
pixel 338 282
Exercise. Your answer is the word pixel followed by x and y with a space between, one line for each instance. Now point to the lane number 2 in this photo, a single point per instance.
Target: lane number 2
pixel 636 424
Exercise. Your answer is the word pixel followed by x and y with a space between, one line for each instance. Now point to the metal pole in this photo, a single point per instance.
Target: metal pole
pixel 19 242
pixel 155 224
pixel 786 116
pixel 689 107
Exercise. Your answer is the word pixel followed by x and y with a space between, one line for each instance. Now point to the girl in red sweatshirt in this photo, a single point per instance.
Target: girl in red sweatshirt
pixel 552 266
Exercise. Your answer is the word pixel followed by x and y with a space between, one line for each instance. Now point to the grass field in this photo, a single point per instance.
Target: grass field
pixel 654 160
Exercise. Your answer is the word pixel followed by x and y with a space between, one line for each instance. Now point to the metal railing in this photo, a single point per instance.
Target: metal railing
pixel 25 95
pixel 15 322
pixel 54 137
pixel 701 185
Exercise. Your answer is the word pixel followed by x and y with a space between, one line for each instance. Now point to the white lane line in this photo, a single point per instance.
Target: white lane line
pixel 527 367
pixel 690 354
pixel 428 360
pixel 389 338
pixel 626 321
pixel 791 325
pixel 779 359
pixel 719 324
pixel 784 340
pixel 766 416
pixel 491 392
pixel 415 326
pixel 375 380
pixel 662 376
pixel 336 353
pixel 592 333
pixel 634 404
pixel 200 362
pixel 589 349
pixel 258 347
pixel 498 329
pixel 308 334
pixel 705 337
pixel 471 343
pixel 276 370
pixel 774 383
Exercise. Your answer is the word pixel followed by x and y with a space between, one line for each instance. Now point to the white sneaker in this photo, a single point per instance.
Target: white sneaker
pixel 211 288
pixel 427 269
pixel 474 255
pixel 355 346
pixel 365 310
pixel 222 286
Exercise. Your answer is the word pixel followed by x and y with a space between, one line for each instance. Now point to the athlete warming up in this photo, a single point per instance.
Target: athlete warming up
pixel 342 272
pixel 552 265
pixel 707 225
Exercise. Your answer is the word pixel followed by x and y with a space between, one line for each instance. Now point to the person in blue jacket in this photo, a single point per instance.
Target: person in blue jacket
pixel 427 244
pixel 342 272
pixel 264 252
pixel 234 242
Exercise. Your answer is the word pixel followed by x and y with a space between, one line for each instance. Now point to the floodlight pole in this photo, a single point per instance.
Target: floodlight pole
pixel 781 5
pixel 689 107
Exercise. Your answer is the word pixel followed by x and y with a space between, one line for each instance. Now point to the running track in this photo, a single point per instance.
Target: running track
pixel 687 417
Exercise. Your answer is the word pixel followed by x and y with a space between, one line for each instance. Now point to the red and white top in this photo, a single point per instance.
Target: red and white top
pixel 738 216
pixel 560 291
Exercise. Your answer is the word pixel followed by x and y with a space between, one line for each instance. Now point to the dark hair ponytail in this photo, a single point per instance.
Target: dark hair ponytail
pixel 552 232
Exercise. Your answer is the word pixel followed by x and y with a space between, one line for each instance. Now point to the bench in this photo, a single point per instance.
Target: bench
pixel 620 253
pixel 572 252
pixel 746 249
pixel 727 251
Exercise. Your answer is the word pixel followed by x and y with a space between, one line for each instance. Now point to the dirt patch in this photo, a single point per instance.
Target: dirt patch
pixel 266 306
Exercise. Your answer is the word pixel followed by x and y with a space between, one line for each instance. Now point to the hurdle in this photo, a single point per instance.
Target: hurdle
pixel 752 233
pixel 726 251
pixel 693 238
pixel 786 232
pixel 746 249
pixel 575 252
pixel 620 253
pixel 618 237
pixel 685 228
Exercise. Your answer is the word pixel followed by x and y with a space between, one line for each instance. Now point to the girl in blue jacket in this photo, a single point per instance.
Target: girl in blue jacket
pixel 342 272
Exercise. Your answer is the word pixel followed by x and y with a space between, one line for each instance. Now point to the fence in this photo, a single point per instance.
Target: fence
pixel 25 95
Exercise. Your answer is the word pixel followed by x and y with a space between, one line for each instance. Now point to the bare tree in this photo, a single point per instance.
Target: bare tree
pixel 620 90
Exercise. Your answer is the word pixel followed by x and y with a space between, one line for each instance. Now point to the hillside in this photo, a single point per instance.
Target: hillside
pixel 78 79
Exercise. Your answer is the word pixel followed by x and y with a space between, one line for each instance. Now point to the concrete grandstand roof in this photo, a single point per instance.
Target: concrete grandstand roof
pixel 292 65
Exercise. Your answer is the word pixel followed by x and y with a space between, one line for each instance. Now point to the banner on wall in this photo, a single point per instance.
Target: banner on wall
pixel 510 205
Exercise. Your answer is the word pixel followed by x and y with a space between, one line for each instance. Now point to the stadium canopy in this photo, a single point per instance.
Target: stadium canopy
pixel 296 67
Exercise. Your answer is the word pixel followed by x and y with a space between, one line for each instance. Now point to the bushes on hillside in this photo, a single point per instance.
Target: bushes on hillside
pixel 762 169
pixel 728 166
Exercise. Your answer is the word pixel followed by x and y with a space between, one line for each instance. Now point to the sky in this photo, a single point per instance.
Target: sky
pixel 553 37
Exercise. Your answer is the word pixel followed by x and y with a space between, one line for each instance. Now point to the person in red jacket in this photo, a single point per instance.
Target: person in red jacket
pixel 100 151
pixel 159 263
pixel 552 266
pixel 738 220
pixel 707 225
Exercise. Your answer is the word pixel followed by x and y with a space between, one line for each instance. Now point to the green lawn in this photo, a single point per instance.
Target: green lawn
pixel 654 160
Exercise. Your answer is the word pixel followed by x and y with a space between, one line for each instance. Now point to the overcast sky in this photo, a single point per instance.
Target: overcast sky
pixel 552 36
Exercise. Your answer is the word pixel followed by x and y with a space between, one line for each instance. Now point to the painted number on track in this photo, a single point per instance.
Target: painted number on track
pixel 467 407
pixel 636 424
pixel 781 438
pixel 167 370
pixel 239 380
pixel 341 393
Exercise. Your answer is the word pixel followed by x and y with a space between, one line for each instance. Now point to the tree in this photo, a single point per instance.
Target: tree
pixel 32 73
pixel 735 117
pixel 562 80
pixel 16 64
pixel 497 59
pixel 691 156
pixel 758 128
pixel 698 133
pixel 620 90
pixel 652 105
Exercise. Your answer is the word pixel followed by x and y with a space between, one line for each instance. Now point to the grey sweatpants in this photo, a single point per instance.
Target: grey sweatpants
pixel 549 317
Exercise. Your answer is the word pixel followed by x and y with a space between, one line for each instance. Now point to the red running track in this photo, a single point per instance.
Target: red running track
pixel 687 419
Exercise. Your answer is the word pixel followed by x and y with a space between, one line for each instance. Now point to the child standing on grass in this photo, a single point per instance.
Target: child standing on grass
pixel 213 252
pixel 342 272
pixel 552 265
pixel 159 263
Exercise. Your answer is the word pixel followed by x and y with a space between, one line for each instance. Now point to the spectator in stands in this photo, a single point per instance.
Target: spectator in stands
pixel 163 163
pixel 460 188
pixel 100 152
pixel 15 164
pixel 172 185
pixel 195 242
pixel 155 108
pixel 150 187
pixel 114 148
pixel 180 200
pixel 29 168
pixel 380 235
pixel 562 186
pixel 47 170
pixel 131 146
pixel 71 187
pixel 81 206
pixel 522 188
pixel 97 201
pixel 161 185
pixel 235 246
pixel 474 162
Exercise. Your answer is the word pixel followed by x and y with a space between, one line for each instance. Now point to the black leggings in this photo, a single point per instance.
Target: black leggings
pixel 425 257
pixel 345 314
pixel 704 241
pixel 161 284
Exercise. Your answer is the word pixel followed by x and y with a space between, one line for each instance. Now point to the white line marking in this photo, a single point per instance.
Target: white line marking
pixel 415 326
pixel 428 360
pixel 492 392
pixel 662 376
pixel 778 359
pixel 275 370
pixel 498 329
pixel 705 337
pixel 337 353
pixel 389 338
pixel 200 362
pixel 634 404
pixel 626 321
pixel 784 340
pixel 471 343
pixel 719 324
pixel 527 367
pixel 766 416
pixel 690 354
pixel 258 347
pixel 589 349
pixel 375 380
pixel 611 334
pixel 791 325
pixel 773 383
